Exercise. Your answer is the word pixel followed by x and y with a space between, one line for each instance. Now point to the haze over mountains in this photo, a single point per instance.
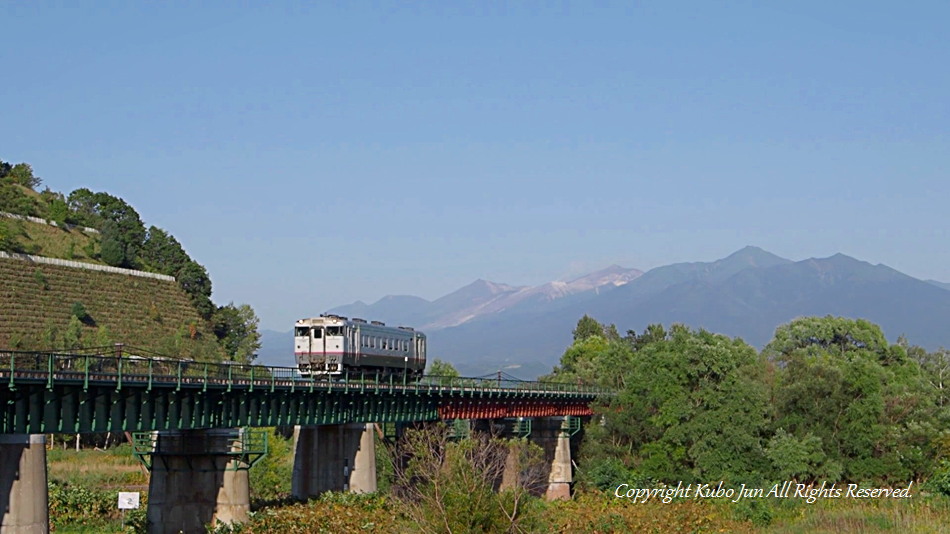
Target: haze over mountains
pixel 487 326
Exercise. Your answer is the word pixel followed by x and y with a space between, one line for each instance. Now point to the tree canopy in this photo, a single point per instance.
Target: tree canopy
pixel 236 329
pixel 828 399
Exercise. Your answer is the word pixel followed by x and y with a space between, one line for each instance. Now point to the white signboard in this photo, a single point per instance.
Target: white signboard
pixel 128 500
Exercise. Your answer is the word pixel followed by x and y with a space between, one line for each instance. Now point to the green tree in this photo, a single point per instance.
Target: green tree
pixel 587 326
pixel 444 373
pixel 654 333
pixel 122 228
pixel 8 238
pixel 56 208
pixel 14 200
pixel 126 226
pixel 800 458
pixel 21 174
pixel 72 337
pixel 82 206
pixel 936 368
pixel 447 486
pixel 78 311
pixel 162 252
pixel 236 330
pixel 441 368
pixel 193 279
pixel 113 251
pixel 696 407
pixel 840 384
pixel 103 336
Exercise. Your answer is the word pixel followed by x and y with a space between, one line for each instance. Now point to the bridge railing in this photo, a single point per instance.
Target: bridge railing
pixel 53 367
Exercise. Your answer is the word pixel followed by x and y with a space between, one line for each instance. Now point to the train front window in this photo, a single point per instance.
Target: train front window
pixel 302 331
pixel 317 333
pixel 334 330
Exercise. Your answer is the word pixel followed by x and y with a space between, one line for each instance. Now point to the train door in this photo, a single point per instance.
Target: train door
pixel 420 347
pixel 302 341
pixel 333 349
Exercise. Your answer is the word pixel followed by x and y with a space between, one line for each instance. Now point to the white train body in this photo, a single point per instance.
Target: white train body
pixel 334 345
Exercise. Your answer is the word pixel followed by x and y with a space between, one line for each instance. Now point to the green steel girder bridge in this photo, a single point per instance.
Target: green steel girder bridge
pixel 191 423
pixel 43 393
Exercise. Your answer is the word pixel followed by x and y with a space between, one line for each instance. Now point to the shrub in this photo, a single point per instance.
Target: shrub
pixel 79 311
pixel 41 279
pixel 940 481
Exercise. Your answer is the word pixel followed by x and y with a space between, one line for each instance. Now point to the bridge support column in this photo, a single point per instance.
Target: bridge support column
pixel 196 481
pixel 23 494
pixel 554 435
pixel 511 475
pixel 333 458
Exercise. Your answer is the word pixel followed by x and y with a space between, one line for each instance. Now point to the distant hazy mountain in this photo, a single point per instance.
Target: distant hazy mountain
pixel 277 349
pixel 940 284
pixel 486 326
pixel 483 298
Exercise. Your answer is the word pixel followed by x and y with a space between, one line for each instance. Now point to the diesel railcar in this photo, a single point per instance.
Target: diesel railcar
pixel 334 345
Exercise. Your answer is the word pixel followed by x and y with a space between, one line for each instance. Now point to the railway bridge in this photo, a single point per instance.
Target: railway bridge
pixel 196 426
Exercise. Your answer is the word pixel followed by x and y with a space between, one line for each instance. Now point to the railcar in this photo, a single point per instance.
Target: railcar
pixel 334 345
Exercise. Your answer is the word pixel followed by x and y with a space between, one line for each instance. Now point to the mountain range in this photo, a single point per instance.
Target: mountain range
pixel 523 330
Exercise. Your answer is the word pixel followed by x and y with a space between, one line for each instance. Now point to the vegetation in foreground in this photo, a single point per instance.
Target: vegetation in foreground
pixel 449 487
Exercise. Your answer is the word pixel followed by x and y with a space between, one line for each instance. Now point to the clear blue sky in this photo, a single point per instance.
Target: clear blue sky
pixel 313 154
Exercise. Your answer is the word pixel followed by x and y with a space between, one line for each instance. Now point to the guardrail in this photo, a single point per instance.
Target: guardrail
pixel 82 265
pixel 59 368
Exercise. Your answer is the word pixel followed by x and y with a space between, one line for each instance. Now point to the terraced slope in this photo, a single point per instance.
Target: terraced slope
pixel 36 305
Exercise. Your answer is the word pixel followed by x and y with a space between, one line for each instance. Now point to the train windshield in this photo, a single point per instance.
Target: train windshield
pixel 334 330
pixel 304 331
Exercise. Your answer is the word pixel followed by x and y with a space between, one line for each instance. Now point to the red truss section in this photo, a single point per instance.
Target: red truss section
pixel 486 409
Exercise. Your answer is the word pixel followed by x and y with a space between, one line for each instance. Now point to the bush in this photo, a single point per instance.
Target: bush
pixel 8 240
pixel 270 477
pixel 607 473
pixel 79 312
pixel 69 503
pixel 940 481
pixel 41 279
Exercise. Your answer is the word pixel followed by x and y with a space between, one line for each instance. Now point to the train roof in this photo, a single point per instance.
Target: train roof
pixel 336 319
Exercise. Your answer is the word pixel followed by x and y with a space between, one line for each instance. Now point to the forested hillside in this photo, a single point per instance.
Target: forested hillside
pixel 52 307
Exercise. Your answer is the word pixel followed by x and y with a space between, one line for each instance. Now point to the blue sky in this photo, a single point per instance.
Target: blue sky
pixel 314 154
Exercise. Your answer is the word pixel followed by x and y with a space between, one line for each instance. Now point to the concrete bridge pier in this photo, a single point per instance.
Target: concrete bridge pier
pixel 24 501
pixel 196 481
pixel 333 458
pixel 554 437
